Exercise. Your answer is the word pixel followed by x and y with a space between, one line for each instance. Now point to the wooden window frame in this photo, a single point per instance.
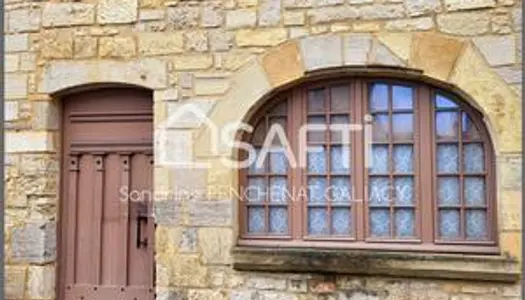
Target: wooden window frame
pixel 425 187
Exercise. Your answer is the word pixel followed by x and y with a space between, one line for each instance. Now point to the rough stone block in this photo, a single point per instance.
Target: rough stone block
pixel 498 50
pixel 215 245
pixel 168 212
pixel 117 47
pixel 10 110
pixel 211 86
pixel 422 7
pixel 16 86
pixel 261 37
pixel 183 17
pixel 291 18
pixel 210 212
pixel 11 63
pixel 68 14
pixel 464 23
pixel 160 43
pixel 27 61
pixel 24 20
pixel 151 14
pixel 207 294
pixel 331 14
pixel 266 283
pixel 196 41
pixel 34 242
pixel 16 42
pixel 41 283
pixel 453 5
pixel 212 16
pixel 321 52
pixel 283 64
pixel 85 47
pixel 240 18
pixel 117 11
pixel 413 24
pixel 298 3
pixel 400 43
pixel 15 281
pixel 381 11
pixel 45 116
pixel 57 44
pixel 517 15
pixel 269 12
pixel 220 40
pixel 356 48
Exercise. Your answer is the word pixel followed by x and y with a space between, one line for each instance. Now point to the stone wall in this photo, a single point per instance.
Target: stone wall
pixel 230 53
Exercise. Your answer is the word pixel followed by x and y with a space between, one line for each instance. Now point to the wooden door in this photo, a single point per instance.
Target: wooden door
pixel 106 245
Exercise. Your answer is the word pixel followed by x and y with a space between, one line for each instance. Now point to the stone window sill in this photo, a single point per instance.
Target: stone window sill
pixel 358 262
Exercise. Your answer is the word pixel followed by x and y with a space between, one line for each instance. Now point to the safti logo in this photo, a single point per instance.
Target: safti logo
pixel 174 140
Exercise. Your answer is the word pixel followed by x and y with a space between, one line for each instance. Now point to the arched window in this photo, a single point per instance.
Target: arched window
pixel 387 164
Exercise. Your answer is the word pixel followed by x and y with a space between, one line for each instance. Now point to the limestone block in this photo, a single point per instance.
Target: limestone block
pixel 57 44
pixel 283 64
pixel 183 17
pixel 210 212
pixel 24 20
pixel 413 24
pixel 212 16
pixel 464 23
pixel 331 14
pixel 240 18
pixel 422 7
pixel 15 281
pixel 68 14
pixel 453 5
pixel 356 48
pixel 11 63
pixel 16 86
pixel 261 37
pixel 41 282
pixel 117 11
pixel 269 12
pixel 16 42
pixel 381 11
pixel 220 40
pixel 215 245
pixel 160 43
pixel 292 18
pixel 498 50
pixel 321 52
pixel 34 242
pixel 117 47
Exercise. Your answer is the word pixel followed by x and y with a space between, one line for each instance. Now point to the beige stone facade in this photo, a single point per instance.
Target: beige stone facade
pixel 228 54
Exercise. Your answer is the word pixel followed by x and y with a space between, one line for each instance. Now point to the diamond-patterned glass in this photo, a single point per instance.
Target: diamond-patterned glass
pixel 378 161
pixel 447 158
pixel 404 190
pixel 379 191
pixel 340 157
pixel 474 188
pixel 402 97
pixel 405 222
pixel 341 221
pixel 317 223
pixel 317 160
pixel 278 162
pixel 278 220
pixel 255 220
pixel 403 158
pixel 340 189
pixel 278 189
pixel 317 190
pixel 256 190
pixel 449 224
pixel 447 125
pixel 476 228
pixel 448 191
pixel 379 222
pixel 473 158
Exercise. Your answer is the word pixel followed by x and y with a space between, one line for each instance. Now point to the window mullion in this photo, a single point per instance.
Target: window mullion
pixel 426 178
pixel 358 163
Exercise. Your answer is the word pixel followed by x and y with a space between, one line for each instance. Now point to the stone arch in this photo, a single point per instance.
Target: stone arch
pixel 450 62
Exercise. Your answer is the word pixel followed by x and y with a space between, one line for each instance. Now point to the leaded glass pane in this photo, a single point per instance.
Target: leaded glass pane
pixel 379 191
pixel 278 189
pixel 341 221
pixel 317 160
pixel 256 190
pixel 404 190
pixel 474 188
pixel 380 127
pixel 316 101
pixel 255 220
pixel 402 97
pixel 379 222
pixel 449 224
pixel 317 221
pixel 403 158
pixel 340 189
pixel 278 162
pixel 447 158
pixel 278 220
pixel 317 189
pixel 316 135
pixel 448 191
pixel 447 125
pixel 402 126
pixel 378 162
pixel 340 98
pixel 469 130
pixel 379 97
pixel 444 102
pixel 340 159
pixel 476 224
pixel 473 158
pixel 405 222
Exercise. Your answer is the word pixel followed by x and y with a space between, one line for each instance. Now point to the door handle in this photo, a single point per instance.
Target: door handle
pixel 141 242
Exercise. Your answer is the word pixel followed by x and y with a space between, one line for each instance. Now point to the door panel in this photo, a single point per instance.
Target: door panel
pixel 106 230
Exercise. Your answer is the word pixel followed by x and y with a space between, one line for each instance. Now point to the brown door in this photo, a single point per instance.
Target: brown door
pixel 106 231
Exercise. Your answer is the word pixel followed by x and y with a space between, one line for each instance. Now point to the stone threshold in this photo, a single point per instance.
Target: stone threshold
pixel 397 264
